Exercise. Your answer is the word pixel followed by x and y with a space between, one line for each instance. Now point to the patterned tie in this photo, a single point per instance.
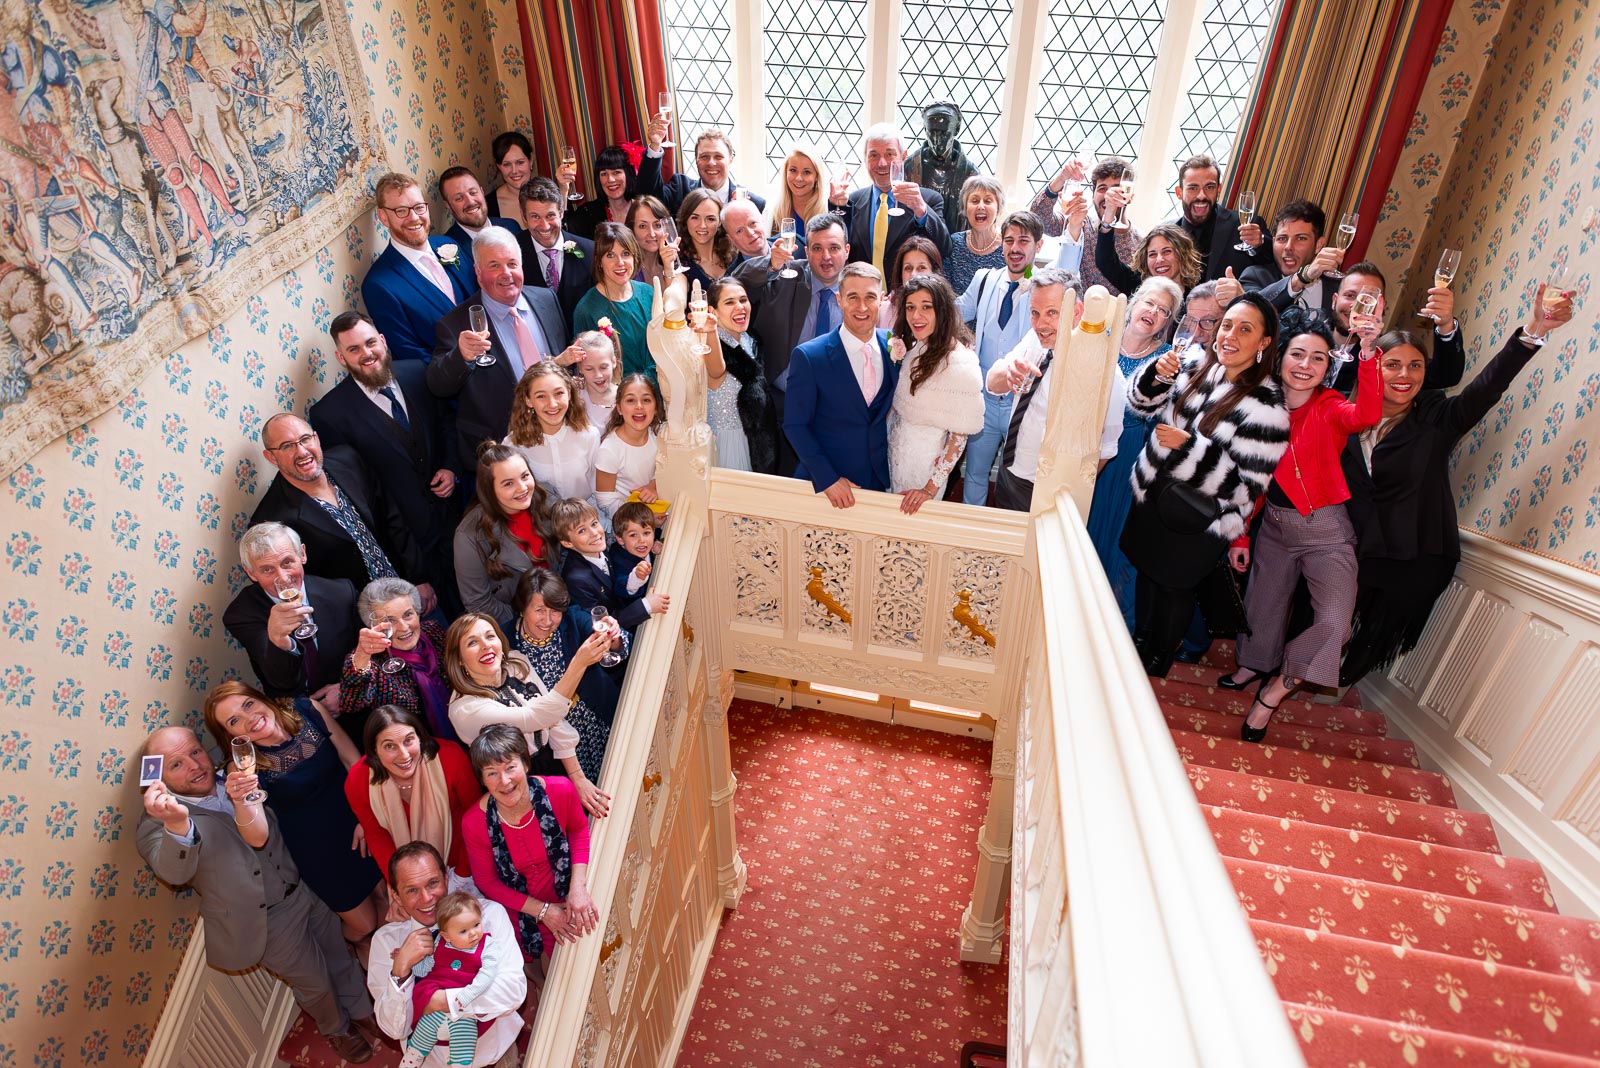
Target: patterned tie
pixel 527 349
pixel 435 270
pixel 869 371
pixel 552 272
pixel 1008 452
pixel 824 321
pixel 1007 305
pixel 395 409
pixel 880 231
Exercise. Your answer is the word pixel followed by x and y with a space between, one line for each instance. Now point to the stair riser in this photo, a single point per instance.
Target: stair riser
pixel 1362 777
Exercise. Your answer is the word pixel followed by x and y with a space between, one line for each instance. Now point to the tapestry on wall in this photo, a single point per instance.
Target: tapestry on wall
pixel 160 161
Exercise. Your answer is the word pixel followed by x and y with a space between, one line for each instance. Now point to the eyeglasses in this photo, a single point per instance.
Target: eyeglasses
pixel 289 448
pixel 406 211
pixel 1207 324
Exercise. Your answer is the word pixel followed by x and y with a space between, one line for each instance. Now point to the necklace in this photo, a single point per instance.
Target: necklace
pixel 525 820
pixel 1147 347
pixel 984 247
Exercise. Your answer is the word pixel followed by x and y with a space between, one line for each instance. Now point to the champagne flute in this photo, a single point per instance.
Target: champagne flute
pixel 288 592
pixel 1443 275
pixel 1343 237
pixel 478 320
pixel 845 176
pixel 1366 303
pixel 699 313
pixel 669 236
pixel 1555 288
pixel 897 174
pixel 1183 337
pixel 1121 221
pixel 569 158
pixel 786 239
pixel 390 664
pixel 1247 214
pixel 664 106
pixel 244 758
pixel 604 623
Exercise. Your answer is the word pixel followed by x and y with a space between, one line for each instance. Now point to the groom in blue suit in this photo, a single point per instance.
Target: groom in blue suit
pixel 841 383
pixel 417 279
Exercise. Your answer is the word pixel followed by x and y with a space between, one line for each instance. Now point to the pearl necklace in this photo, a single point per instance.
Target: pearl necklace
pixel 992 244
pixel 525 821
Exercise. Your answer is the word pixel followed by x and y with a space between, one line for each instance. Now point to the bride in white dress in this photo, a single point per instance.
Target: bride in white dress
pixel 939 398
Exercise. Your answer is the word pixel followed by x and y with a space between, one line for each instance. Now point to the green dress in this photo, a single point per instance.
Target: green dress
pixel 628 318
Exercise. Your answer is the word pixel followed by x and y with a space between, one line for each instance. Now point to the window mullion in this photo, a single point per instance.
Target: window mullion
pixel 749 78
pixel 1020 98
pixel 1173 70
pixel 885 53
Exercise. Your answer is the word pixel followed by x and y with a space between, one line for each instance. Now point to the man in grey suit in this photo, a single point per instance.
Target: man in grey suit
pixel 524 326
pixel 198 834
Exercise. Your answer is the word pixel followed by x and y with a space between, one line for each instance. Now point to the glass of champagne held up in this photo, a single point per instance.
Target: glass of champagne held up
pixel 664 106
pixel 478 320
pixel 1343 237
pixel 569 158
pixel 1443 275
pixel 786 239
pixel 669 236
pixel 244 758
pixel 605 624
pixel 1247 214
pixel 1555 287
pixel 289 593
pixel 390 664
pixel 897 174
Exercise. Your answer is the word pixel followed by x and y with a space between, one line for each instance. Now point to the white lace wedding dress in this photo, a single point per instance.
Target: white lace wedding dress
pixel 927 429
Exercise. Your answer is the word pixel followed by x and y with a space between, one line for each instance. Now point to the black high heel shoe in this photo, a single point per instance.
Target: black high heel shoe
pixel 1257 678
pixel 1255 734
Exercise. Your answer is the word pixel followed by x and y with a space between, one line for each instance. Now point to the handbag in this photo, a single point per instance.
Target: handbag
pixel 1183 509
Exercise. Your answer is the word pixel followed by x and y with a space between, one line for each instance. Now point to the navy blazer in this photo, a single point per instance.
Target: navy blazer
pixel 483 408
pixel 1266 279
pixel 833 430
pixel 577 271
pixel 622 562
pixel 673 190
pixel 863 207
pixel 588 587
pixel 405 305
pixel 403 461
pixel 463 240
pixel 283 673
pixel 600 686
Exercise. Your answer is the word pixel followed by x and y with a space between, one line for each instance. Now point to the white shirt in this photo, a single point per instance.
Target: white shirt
pixel 1030 432
pixel 383 402
pixel 391 997
pixel 858 352
pixel 543 260
pixel 634 466
pixel 564 462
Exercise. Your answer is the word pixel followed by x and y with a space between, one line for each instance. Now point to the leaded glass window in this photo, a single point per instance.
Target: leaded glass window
pixel 1233 34
pixel 815 77
pixel 956 50
pixel 698 35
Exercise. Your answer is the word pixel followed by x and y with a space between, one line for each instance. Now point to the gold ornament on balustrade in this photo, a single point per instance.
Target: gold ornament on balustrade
pixel 967 616
pixel 610 947
pixel 819 593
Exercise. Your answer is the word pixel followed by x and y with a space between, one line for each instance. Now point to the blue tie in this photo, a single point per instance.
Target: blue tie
pixel 1006 305
pixel 824 312
pixel 399 413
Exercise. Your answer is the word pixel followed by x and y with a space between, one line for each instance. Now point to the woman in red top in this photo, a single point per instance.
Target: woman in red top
pixel 504 534
pixel 408 786
pixel 1305 530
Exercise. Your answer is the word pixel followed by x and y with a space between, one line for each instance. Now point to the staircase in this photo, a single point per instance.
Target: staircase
pixel 1392 926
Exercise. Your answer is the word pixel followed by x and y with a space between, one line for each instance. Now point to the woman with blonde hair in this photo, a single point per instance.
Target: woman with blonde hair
pixel 1167 251
pixel 802 193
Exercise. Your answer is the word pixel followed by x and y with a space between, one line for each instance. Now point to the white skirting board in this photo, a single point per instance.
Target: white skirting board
pixel 1502 694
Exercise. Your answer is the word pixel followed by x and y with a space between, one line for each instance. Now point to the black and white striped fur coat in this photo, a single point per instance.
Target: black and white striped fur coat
pixel 1235 462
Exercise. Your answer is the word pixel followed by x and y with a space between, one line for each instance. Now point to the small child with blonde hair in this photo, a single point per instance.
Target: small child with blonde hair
pixel 597 372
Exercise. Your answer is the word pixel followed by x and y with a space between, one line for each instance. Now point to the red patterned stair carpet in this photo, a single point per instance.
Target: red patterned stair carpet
pixel 1393 927
pixel 861 843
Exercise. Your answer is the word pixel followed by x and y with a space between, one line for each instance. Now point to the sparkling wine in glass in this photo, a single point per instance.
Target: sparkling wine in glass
pixel 1184 335
pixel 664 106
pixel 845 174
pixel 1247 214
pixel 1443 275
pixel 1121 221
pixel 604 622
pixel 1555 287
pixel 897 174
pixel 669 236
pixel 244 758
pixel 1343 237
pixel 699 317
pixel 390 664
pixel 289 593
pixel 569 158
pixel 478 320
pixel 786 239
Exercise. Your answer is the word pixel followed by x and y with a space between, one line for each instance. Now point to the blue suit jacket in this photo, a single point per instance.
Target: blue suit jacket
pixel 833 430
pixel 463 240
pixel 406 306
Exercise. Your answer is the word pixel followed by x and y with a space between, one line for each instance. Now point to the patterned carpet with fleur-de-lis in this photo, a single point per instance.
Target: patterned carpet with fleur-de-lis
pixel 1395 930
pixel 861 843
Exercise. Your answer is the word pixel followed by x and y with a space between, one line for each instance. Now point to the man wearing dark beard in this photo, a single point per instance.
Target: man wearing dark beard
pixel 1217 229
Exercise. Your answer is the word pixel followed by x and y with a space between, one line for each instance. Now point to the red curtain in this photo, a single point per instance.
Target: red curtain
pixel 594 66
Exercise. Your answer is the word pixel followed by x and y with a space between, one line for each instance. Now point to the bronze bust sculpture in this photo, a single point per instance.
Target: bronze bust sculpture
pixel 938 162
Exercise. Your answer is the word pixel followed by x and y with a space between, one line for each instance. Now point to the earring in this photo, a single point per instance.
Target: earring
pixel 1258 354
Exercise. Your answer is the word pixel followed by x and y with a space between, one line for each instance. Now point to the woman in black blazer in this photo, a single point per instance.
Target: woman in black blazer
pixel 1399 477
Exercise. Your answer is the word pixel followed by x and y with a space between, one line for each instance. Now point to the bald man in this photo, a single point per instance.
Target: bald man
pixel 199 832
pixel 741 220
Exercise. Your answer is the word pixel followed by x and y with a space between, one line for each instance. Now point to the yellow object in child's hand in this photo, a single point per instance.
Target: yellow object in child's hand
pixel 658 506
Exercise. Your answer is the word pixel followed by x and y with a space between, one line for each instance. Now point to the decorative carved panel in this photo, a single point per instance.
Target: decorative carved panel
pixel 1414 668
pixel 834 552
pixel 808 663
pixel 1467 651
pixel 757 570
pixel 1502 712
pixel 899 592
pixel 1548 747
pixel 984 574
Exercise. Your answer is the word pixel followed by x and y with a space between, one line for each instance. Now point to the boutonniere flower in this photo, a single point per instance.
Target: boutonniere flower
pixel 897 349
pixel 1027 272
pixel 449 255
pixel 571 249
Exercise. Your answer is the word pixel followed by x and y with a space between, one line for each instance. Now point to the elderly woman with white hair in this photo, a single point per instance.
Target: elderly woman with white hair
pixel 398 658
pixel 983 202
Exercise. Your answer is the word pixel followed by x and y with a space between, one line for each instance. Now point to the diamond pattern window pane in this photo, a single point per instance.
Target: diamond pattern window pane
pixel 701 68
pixel 815 78
pixel 956 50
pixel 1099 55
pixel 1233 35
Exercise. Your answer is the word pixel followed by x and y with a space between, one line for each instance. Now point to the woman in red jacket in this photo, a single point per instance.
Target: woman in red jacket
pixel 1305 530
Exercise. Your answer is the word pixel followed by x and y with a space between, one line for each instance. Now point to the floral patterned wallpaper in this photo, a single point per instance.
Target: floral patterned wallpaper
pixel 120 558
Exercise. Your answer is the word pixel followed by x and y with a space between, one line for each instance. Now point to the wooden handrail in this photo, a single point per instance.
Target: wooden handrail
pixel 967 616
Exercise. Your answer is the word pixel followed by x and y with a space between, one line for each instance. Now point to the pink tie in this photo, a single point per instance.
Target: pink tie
pixel 435 270
pixel 869 373
pixel 554 270
pixel 525 344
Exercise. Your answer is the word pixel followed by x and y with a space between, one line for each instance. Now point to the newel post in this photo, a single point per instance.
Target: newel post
pixel 983 925
pixel 1080 382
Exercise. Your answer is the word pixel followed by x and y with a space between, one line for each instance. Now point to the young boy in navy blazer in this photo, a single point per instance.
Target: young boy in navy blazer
pixel 592 580
pixel 633 553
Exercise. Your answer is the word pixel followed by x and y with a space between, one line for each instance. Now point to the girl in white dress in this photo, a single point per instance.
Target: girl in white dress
pixel 938 400
pixel 626 463
pixel 553 433
pixel 598 370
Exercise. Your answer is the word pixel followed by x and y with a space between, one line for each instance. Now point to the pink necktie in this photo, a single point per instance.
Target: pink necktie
pixel 525 343
pixel 869 374
pixel 435 270
pixel 553 272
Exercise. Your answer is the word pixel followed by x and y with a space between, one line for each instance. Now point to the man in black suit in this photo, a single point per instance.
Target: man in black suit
pixel 552 258
pixel 1300 258
pixel 1214 228
pixel 350 527
pixel 406 437
pixel 787 312
pixel 869 207
pixel 461 193
pixel 1449 360
pixel 713 160
pixel 264 622
pixel 525 326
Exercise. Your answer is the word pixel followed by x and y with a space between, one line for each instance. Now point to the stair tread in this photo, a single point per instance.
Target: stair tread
pixel 1279 762
pixel 1374 747
pixel 1333 1039
pixel 1201 691
pixel 1332 807
pixel 1313 848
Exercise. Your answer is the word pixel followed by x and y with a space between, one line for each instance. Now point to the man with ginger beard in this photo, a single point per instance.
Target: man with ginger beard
pixel 417 278
pixel 382 411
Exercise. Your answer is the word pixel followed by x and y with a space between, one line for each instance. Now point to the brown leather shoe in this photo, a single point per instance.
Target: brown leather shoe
pixel 368 1025
pixel 350 1045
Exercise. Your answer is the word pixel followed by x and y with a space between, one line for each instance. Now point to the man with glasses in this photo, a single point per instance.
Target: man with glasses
pixel 418 278
pixel 350 528
pixel 1216 229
